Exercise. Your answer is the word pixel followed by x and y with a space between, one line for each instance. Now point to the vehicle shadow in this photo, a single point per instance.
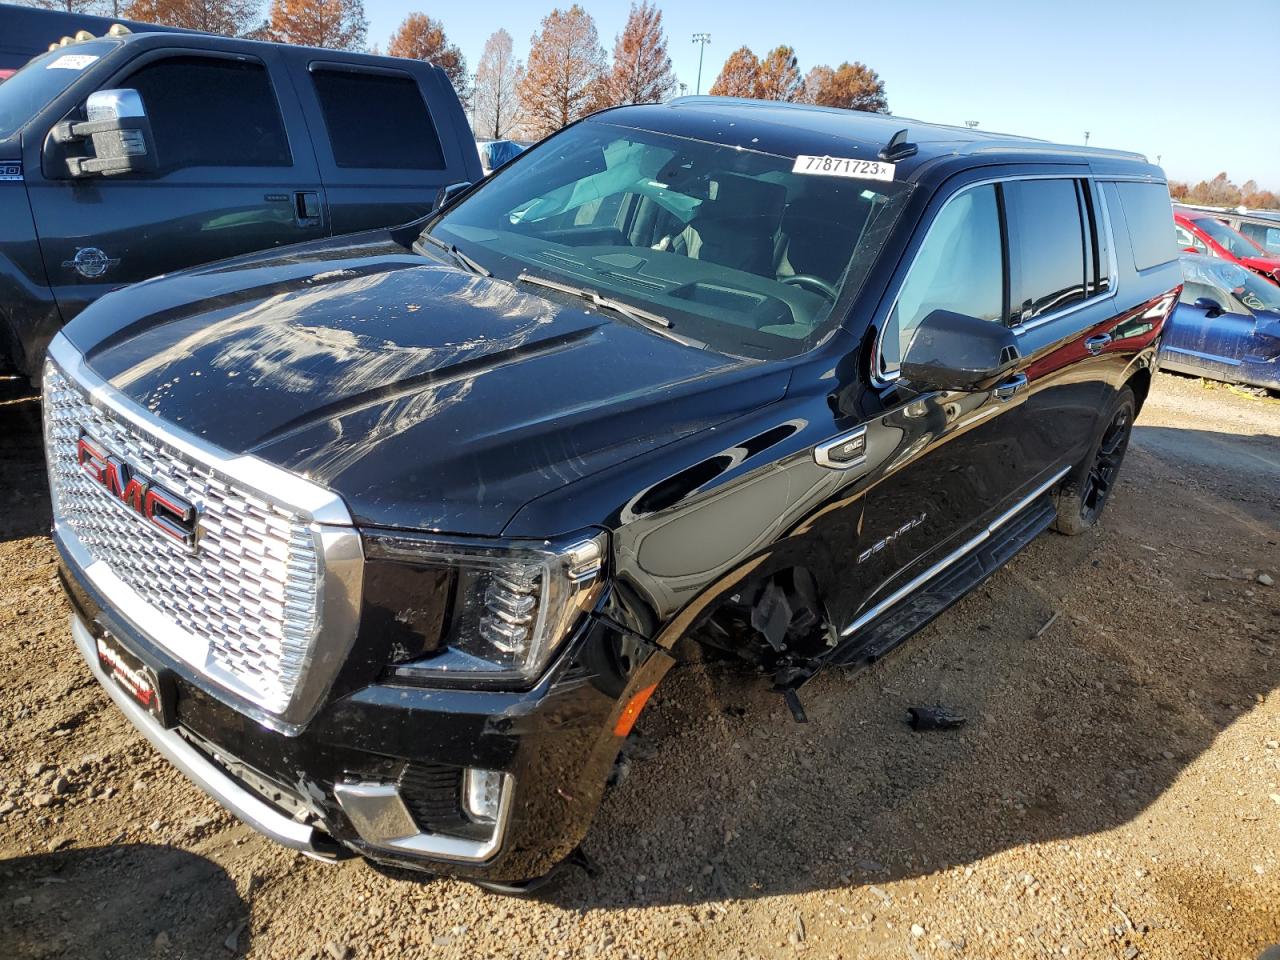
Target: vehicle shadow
pixel 120 901
pixel 24 487
pixel 1072 731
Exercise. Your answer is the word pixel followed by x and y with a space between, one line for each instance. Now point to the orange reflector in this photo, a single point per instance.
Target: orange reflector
pixel 631 712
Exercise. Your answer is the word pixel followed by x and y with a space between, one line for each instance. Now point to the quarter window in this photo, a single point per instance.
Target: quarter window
pixel 1049 255
pixel 1147 210
pixel 377 121
pixel 210 112
pixel 959 267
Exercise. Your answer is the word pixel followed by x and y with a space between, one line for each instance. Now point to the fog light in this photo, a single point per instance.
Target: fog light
pixel 482 794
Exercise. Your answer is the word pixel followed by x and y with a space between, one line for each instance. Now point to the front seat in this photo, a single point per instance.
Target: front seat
pixel 737 227
pixel 812 243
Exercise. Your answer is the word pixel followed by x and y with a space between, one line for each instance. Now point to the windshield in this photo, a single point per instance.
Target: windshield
pixel 28 90
pixel 1228 239
pixel 728 247
pixel 1242 284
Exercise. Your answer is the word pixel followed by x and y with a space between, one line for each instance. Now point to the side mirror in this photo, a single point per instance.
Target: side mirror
pixel 117 131
pixel 952 351
pixel 449 192
pixel 1210 307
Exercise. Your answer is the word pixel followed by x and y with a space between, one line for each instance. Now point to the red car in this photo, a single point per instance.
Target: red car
pixel 1199 232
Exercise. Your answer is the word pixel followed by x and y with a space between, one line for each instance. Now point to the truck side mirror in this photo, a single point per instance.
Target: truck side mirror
pixel 952 351
pixel 117 131
pixel 448 192
pixel 1210 307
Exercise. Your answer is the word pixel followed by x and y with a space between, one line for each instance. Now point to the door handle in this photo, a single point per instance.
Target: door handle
pixel 306 206
pixel 1006 390
pixel 1096 344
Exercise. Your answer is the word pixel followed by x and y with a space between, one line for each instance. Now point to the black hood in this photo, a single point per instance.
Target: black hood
pixel 425 396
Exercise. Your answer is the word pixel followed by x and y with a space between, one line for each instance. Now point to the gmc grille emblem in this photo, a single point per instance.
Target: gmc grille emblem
pixel 168 513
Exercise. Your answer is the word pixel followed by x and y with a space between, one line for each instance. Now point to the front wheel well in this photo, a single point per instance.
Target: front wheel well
pixel 778 617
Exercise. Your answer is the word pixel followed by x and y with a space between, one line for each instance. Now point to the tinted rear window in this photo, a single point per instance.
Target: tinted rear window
pixel 377 121
pixel 1049 253
pixel 1150 219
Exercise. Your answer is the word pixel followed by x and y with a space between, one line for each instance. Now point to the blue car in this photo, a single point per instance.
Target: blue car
pixel 1226 325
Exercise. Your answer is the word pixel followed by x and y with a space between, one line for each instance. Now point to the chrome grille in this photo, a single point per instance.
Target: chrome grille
pixel 251 589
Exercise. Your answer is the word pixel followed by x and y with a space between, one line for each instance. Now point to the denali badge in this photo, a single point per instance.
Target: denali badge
pixel 881 544
pixel 169 514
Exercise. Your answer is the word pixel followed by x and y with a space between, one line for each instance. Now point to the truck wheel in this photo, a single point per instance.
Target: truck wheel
pixel 1084 492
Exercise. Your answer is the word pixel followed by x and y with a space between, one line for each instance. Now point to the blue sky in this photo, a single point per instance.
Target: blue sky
pixel 1131 73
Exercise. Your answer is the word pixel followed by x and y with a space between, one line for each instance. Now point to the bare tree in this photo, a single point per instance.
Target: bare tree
pixel 641 66
pixel 740 75
pixel 496 95
pixel 564 78
pixel 337 24
pixel 421 37
pixel 779 77
pixel 232 18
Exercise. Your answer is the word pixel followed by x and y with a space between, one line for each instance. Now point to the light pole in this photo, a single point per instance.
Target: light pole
pixel 1086 138
pixel 702 39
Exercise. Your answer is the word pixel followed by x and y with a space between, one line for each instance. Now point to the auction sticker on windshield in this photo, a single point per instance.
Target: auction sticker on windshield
pixel 71 61
pixel 844 167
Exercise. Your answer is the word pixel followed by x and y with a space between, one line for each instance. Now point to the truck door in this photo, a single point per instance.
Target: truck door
pixel 236 173
pixel 383 151
pixel 954 460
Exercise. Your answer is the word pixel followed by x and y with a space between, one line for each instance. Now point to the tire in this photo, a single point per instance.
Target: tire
pixel 1084 493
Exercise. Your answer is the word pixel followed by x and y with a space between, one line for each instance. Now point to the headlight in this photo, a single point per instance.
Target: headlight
pixel 492 611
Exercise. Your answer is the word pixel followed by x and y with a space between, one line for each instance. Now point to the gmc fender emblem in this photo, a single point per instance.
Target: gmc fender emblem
pixel 167 512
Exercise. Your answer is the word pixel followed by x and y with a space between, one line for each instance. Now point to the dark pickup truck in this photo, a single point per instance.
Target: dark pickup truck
pixel 386 540
pixel 128 156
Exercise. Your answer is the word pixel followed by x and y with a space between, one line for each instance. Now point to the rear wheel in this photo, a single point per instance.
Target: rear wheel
pixel 1085 491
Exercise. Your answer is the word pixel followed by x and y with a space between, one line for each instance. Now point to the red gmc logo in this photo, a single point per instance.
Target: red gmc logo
pixel 169 514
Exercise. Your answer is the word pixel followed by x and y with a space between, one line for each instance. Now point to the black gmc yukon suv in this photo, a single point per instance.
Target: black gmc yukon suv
pixel 385 540
pixel 126 156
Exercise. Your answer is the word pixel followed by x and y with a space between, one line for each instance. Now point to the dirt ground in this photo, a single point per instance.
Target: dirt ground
pixel 1115 793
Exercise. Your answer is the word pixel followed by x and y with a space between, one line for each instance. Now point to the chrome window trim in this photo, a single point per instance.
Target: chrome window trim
pixel 950 559
pixel 337 542
pixel 882 378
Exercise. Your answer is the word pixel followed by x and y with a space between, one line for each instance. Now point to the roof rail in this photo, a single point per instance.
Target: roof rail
pixel 1002 146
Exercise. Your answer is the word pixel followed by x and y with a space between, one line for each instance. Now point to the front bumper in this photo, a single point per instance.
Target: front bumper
pixel 204 772
pixel 372 772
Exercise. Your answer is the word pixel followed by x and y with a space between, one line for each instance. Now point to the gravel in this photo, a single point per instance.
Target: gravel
pixel 1115 793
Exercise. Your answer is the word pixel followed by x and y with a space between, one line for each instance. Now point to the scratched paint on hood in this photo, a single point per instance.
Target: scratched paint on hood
pixel 427 396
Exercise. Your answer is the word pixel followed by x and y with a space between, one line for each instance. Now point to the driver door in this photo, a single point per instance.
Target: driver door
pixel 959 457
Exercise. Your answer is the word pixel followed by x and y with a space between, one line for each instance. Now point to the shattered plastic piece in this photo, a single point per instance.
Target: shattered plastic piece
pixel 933 718
pixel 771 616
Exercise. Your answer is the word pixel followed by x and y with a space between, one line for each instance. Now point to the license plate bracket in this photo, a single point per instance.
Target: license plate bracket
pixel 150 687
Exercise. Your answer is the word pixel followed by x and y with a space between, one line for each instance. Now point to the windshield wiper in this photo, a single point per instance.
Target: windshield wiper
pixel 458 256
pixel 602 303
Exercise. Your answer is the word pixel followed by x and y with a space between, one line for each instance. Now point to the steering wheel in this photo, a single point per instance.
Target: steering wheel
pixel 810 282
